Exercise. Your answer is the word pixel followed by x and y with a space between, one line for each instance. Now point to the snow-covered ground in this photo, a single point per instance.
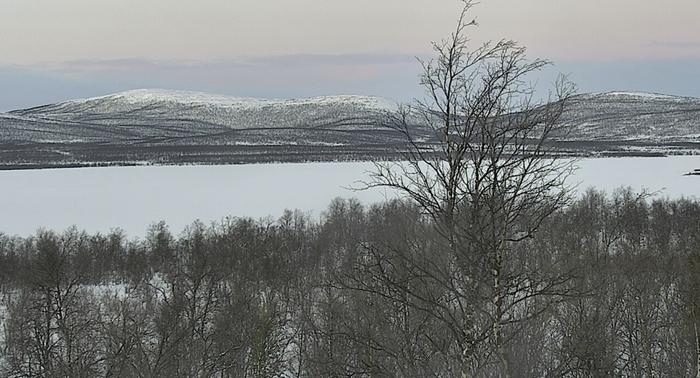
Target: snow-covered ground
pixel 641 95
pixel 131 198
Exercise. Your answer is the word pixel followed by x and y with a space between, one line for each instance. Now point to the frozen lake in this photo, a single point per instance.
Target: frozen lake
pixel 131 198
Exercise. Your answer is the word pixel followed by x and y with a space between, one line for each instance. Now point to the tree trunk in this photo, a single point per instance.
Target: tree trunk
pixel 697 349
pixel 467 346
pixel 498 315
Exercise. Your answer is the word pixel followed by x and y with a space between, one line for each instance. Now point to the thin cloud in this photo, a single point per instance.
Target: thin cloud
pixel 295 60
pixel 339 59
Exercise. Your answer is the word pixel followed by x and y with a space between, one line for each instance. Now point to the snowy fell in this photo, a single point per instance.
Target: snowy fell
pixel 179 127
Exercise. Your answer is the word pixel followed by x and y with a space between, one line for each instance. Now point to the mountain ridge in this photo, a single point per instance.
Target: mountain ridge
pixel 180 97
pixel 181 127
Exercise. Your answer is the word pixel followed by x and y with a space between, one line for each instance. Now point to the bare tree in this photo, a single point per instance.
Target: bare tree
pixel 694 265
pixel 482 166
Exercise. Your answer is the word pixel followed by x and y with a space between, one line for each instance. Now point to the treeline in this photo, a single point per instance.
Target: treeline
pixel 617 279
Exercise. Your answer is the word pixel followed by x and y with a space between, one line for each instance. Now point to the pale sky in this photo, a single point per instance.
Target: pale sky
pixel 57 49
pixel 58 30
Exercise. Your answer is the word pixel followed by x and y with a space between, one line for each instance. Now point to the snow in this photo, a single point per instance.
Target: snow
pixel 98 199
pixel 115 290
pixel 641 95
pixel 15 117
pixel 153 96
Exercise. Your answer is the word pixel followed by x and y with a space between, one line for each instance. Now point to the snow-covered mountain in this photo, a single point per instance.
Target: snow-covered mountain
pixel 633 116
pixel 139 115
pixel 190 127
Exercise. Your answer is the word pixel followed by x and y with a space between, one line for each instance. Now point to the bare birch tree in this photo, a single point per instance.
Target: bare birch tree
pixel 482 166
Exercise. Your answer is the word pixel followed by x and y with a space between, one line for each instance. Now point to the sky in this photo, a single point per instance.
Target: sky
pixel 57 50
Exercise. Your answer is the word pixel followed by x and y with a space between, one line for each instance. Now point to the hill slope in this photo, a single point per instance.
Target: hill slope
pixel 176 127
pixel 170 116
pixel 620 116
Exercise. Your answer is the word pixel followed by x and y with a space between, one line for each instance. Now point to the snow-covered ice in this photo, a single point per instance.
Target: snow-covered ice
pixel 131 198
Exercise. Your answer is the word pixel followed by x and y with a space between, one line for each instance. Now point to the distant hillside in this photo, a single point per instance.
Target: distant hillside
pixel 184 117
pixel 624 116
pixel 175 127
